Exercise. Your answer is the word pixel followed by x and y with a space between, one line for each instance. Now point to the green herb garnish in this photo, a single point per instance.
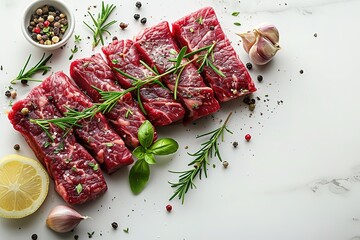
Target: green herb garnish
pixel 235 14
pixel 39 67
pixel 208 149
pixel 73 51
pixel 100 25
pixel 145 153
pixel 77 39
pixel 237 24
pixel 79 188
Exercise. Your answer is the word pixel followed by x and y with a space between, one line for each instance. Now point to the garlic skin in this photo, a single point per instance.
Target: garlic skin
pixel 262 43
pixel 63 219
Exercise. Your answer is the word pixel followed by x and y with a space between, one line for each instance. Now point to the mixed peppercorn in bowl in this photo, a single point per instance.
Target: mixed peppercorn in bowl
pixel 48 24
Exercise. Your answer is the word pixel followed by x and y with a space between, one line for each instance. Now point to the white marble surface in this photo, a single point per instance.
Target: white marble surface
pixel 299 176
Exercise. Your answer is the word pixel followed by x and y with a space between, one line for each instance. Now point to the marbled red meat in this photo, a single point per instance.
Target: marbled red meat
pixel 95 134
pixel 155 44
pixel 66 161
pixel 125 116
pixel 202 28
pixel 160 107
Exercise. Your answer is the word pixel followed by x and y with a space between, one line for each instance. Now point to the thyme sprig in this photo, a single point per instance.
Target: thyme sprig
pixel 208 149
pixel 39 67
pixel 100 25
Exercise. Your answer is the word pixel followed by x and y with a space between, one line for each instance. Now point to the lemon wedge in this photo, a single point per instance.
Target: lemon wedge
pixel 24 185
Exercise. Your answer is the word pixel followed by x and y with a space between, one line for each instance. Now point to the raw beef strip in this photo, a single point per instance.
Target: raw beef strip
pixel 67 162
pixel 202 28
pixel 161 109
pixel 125 116
pixel 95 133
pixel 155 44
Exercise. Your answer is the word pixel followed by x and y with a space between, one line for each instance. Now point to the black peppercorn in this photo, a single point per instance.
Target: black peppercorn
pixel 143 20
pixel 8 93
pixel 249 65
pixel 34 237
pixel 137 16
pixel 17 147
pixel 235 144
pixel 138 4
pixel 259 78
pixel 212 27
pixel 114 225
pixel 76 237
pixel 24 81
pixel 301 71
pixel 123 25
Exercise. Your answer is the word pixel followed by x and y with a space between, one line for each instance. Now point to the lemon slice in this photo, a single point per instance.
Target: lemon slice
pixel 24 184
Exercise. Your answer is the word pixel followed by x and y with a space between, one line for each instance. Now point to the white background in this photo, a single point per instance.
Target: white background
pixel 298 177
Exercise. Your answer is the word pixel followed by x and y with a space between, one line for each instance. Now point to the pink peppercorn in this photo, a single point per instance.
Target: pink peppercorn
pixel 247 137
pixel 168 208
pixel 36 30
pixel 46 23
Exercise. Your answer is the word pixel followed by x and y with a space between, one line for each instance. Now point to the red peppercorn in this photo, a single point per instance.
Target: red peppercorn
pixel 168 208
pixel 36 30
pixel 247 137
pixel 46 23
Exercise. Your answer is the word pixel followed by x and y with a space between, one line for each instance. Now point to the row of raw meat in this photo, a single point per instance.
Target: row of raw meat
pixel 108 138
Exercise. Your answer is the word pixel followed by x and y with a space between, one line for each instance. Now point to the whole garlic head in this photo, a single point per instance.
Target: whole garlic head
pixel 262 43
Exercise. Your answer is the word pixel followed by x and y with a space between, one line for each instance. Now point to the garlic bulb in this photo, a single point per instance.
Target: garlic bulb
pixel 63 219
pixel 262 43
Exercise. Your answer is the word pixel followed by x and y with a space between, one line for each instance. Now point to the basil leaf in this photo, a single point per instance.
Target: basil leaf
pixel 139 176
pixel 146 134
pixel 164 146
pixel 139 152
pixel 150 158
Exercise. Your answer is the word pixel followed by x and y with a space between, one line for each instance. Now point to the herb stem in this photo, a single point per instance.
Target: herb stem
pixel 208 150
pixel 39 67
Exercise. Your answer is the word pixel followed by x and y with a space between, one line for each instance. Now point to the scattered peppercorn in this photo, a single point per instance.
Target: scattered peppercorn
pixel 17 147
pixel 76 237
pixel 34 237
pixel 143 20
pixel 252 107
pixel 260 78
pixel 249 65
pixel 301 71
pixel 246 100
pixel 123 25
pixel 13 94
pixel 137 16
pixel 7 93
pixel 168 208
pixel 138 4
pixel 315 34
pixel 235 144
pixel 24 81
pixel 25 111
pixel 212 28
pixel 247 137
pixel 114 225
pixel 225 164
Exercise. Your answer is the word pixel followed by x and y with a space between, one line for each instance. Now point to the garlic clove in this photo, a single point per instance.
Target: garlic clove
pixel 262 51
pixel 248 39
pixel 269 31
pixel 63 219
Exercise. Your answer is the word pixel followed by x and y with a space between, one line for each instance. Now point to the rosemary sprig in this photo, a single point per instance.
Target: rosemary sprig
pixel 208 149
pixel 110 98
pixel 99 24
pixel 39 67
